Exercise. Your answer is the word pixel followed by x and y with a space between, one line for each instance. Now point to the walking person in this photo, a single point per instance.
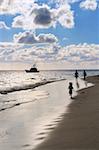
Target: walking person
pixel 70 89
pixel 76 74
pixel 84 74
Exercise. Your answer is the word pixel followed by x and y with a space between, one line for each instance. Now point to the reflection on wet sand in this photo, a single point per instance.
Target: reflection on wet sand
pixel 85 82
pixel 77 84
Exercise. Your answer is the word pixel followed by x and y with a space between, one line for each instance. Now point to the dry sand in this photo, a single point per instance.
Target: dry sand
pixel 79 129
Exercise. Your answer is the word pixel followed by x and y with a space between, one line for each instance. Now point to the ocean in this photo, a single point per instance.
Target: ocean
pixel 11 81
pixel 31 105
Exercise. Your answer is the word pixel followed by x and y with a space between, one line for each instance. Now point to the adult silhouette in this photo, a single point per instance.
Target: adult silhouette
pixel 84 74
pixel 76 74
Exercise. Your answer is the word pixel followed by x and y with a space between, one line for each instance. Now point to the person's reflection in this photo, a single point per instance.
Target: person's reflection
pixel 85 82
pixel 77 84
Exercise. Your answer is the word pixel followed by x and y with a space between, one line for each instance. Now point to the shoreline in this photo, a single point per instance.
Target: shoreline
pixel 78 129
pixel 28 87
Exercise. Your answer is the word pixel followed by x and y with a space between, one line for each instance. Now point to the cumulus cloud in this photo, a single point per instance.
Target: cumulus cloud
pixel 45 17
pixel 65 16
pixel 42 16
pixel 30 15
pixel 3 25
pixel 89 4
pixel 79 53
pixel 48 53
pixel 15 6
pixel 25 37
pixel 1 2
pixel 20 53
pixel 47 38
pixel 37 17
pixel 7 51
pixel 30 38
pixel 34 53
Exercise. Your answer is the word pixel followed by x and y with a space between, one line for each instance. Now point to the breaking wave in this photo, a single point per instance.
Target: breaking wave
pixel 25 87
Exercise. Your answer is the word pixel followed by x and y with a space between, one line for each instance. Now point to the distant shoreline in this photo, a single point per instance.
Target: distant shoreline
pixel 57 70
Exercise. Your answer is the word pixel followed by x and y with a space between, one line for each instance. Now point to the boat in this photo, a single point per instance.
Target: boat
pixel 33 69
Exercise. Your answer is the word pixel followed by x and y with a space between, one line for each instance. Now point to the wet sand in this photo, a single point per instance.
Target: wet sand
pixel 27 117
pixel 79 129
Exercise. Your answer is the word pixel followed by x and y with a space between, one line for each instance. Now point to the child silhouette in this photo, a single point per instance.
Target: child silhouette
pixel 70 89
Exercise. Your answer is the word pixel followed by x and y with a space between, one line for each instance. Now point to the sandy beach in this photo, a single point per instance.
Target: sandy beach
pixel 79 129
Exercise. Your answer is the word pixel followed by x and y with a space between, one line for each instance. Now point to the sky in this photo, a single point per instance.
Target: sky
pixel 54 34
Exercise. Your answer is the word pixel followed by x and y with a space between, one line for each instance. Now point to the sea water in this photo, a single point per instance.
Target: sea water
pixel 29 112
pixel 20 81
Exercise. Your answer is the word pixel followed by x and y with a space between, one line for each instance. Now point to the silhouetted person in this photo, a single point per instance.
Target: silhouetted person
pixel 76 74
pixel 85 74
pixel 70 89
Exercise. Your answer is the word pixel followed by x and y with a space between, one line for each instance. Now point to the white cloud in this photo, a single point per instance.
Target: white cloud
pixel 45 17
pixel 30 38
pixel 20 53
pixel 47 38
pixel 89 4
pixel 3 25
pixel 31 16
pixel 72 54
pixel 25 37
pixel 79 53
pixel 7 50
pixel 65 16
pixel 34 53
pixel 37 17
pixel 15 6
